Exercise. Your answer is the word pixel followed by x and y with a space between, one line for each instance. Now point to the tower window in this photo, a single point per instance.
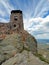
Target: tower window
pixel 15 17
pixel 14 25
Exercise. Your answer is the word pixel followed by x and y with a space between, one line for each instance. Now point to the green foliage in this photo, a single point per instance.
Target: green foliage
pixel 42 58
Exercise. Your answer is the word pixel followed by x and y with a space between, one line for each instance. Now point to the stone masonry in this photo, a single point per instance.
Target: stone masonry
pixel 15 24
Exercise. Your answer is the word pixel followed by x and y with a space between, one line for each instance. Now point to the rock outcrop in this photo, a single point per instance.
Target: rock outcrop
pixel 19 49
pixel 24 58
pixel 16 43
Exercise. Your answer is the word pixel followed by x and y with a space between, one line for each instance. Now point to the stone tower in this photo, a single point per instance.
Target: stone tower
pixel 16 21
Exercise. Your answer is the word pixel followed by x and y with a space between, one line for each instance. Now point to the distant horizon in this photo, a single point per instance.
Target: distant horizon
pixel 43 41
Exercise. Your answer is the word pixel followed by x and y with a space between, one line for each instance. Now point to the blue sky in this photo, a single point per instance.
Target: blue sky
pixel 35 15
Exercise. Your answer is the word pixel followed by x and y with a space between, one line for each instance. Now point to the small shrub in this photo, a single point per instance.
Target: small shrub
pixel 42 58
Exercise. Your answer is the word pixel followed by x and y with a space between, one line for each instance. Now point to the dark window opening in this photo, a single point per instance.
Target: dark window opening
pixel 14 25
pixel 15 17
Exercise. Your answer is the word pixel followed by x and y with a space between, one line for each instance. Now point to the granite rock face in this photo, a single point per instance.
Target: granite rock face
pixel 24 58
pixel 10 46
pixel 16 43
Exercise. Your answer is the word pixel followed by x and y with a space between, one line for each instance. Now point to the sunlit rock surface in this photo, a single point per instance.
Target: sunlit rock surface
pixel 16 43
pixel 24 58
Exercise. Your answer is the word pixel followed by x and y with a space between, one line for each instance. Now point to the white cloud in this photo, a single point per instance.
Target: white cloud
pixel 40 26
pixel 41 21
pixel 6 5
pixel 3 20
pixel 5 9
pixel 41 8
pixel 2 13
pixel 38 7
pixel 36 19
pixel 26 23
pixel 42 36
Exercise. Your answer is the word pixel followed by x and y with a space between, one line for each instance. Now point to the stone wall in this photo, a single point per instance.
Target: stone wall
pixel 15 24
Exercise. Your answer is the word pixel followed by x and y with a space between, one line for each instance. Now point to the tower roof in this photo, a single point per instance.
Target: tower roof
pixel 16 11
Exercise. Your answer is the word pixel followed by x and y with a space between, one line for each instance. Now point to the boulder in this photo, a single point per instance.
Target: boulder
pixel 24 58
